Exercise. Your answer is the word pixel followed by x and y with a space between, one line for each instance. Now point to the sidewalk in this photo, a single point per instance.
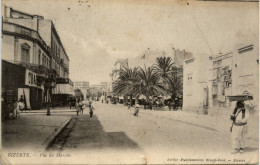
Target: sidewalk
pixel 31 131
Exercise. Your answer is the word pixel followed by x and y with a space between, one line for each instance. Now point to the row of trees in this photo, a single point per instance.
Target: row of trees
pixel 162 78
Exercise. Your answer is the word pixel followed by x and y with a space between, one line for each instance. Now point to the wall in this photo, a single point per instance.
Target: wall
pixel 247 71
pixel 189 85
pixel 7 52
pixel 29 23
pixel 196 74
pixel 45 31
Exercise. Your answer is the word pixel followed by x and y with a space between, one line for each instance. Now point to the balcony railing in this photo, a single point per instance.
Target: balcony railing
pixel 61 80
pixel 39 69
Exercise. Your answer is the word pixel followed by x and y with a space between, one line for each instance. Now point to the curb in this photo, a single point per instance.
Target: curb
pixel 45 112
pixel 46 144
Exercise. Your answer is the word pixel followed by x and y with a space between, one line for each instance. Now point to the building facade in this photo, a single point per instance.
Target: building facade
pixel 27 41
pixel 207 86
pixel 119 65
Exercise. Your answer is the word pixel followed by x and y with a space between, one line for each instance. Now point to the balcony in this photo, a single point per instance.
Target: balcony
pixel 61 80
pixel 39 69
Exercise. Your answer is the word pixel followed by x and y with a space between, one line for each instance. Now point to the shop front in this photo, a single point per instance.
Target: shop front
pixel 20 82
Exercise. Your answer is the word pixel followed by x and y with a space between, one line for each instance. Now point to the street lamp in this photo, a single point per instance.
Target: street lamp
pixel 48 103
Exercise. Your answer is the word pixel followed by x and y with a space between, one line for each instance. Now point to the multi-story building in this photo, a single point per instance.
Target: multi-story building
pixel 33 42
pixel 119 65
pixel 207 86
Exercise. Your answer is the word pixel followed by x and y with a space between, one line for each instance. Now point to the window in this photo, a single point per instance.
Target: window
pixel 55 49
pixel 59 52
pixel 189 85
pixel 43 60
pixel 25 54
pixel 39 58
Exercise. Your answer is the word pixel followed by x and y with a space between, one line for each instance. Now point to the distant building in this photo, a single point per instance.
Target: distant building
pixel 179 56
pixel 104 86
pixel 147 58
pixel 81 85
pixel 97 86
pixel 119 65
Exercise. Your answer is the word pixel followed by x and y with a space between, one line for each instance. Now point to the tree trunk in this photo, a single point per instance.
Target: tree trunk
pixel 147 100
pixel 131 99
pixel 125 100
pixel 173 96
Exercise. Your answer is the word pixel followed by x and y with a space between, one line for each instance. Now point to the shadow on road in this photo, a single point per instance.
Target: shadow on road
pixel 87 133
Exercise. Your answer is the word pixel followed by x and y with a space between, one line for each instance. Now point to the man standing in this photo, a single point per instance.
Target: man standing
pixel 240 117
pixel 136 109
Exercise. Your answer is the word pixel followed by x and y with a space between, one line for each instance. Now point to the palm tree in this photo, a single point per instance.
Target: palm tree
pixel 150 83
pixel 163 66
pixel 139 81
pixel 128 83
pixel 174 85
pixel 170 75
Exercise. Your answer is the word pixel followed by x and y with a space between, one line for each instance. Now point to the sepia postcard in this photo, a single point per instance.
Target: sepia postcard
pixel 129 82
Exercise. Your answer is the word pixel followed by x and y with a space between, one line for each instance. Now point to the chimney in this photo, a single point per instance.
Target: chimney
pixel 35 22
pixel 7 12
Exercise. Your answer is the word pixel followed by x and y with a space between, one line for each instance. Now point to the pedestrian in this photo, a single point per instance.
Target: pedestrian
pixel 239 127
pixel 21 102
pixel 79 106
pixel 136 109
pixel 129 105
pixel 91 108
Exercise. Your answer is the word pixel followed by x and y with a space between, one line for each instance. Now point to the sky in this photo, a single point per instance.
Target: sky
pixel 97 32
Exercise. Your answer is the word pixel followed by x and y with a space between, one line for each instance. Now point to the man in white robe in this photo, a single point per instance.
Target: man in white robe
pixel 239 130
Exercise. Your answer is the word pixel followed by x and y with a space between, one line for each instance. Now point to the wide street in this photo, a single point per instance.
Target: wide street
pixel 154 136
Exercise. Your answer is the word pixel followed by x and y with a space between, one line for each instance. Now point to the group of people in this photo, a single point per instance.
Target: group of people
pixel 82 104
pixel 13 108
